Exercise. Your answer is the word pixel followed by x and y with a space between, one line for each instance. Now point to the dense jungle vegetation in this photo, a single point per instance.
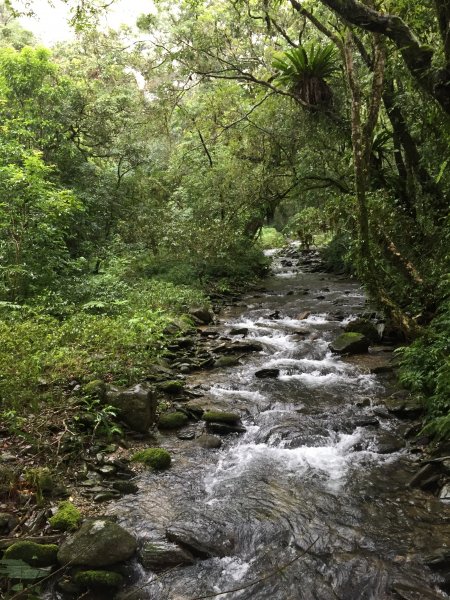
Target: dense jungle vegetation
pixel 139 167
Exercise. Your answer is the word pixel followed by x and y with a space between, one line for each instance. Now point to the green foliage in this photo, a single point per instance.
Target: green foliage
pixel 306 62
pixel 16 574
pixel 304 71
pixel 35 218
pixel 100 418
pixel 270 237
pixel 425 370
pixel 157 458
pixel 66 518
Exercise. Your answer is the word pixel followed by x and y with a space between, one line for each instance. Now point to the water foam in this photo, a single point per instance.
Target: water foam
pixel 332 460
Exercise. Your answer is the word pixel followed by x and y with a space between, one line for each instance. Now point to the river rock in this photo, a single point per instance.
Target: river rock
pixel 203 537
pixel 304 315
pixel 201 314
pixel 210 442
pixel 136 405
pixel 405 408
pixel 410 590
pixel 350 343
pixel 161 554
pixel 388 443
pixel 365 327
pixel 444 494
pixel 423 475
pixel 238 348
pixel 267 373
pixel 219 416
pixel 226 361
pixel 225 429
pixel 239 331
pixel 98 543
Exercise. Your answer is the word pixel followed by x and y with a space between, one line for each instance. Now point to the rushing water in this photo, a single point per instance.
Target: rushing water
pixel 305 487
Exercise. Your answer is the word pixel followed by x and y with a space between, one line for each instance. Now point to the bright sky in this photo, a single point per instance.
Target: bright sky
pixel 50 24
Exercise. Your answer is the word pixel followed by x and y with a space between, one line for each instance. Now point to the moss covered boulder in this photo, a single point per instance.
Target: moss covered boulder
pixel 66 518
pixel 98 543
pixel 157 458
pixel 36 555
pixel 365 327
pixel 216 416
pixel 350 343
pixel 98 580
pixel 171 387
pixel 172 420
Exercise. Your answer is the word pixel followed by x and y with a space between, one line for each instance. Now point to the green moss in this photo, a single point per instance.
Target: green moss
pixel 67 518
pixel 172 420
pixel 98 579
pixel 171 387
pixel 36 555
pixel 95 388
pixel 212 416
pixel 157 458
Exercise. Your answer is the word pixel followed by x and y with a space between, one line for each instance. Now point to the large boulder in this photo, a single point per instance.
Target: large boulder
pixel 98 543
pixel 201 315
pixel 136 406
pixel 202 536
pixel 365 327
pixel 350 343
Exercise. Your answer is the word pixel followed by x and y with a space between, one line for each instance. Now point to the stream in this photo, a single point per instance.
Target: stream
pixel 311 502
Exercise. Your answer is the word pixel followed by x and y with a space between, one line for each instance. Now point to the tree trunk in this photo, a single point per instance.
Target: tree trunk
pixel 417 57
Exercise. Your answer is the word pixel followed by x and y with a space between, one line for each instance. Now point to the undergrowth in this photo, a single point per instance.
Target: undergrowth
pixel 425 370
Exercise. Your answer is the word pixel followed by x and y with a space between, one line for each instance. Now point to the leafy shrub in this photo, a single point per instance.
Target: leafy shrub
pixel 425 370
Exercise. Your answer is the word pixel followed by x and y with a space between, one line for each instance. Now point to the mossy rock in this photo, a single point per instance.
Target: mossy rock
pixel 365 327
pixel 98 580
pixel 172 387
pixel 172 420
pixel 350 343
pixel 95 389
pixel 67 517
pixel 226 361
pixel 212 416
pixel 157 458
pixel 36 555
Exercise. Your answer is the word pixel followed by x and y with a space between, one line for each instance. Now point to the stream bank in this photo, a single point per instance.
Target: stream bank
pixel 312 472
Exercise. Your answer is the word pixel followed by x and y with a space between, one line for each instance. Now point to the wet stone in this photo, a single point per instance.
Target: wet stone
pixel 162 554
pixel 187 434
pixel 209 441
pixel 225 429
pixel 267 373
pixel 444 494
pixel 388 443
pixel 202 537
